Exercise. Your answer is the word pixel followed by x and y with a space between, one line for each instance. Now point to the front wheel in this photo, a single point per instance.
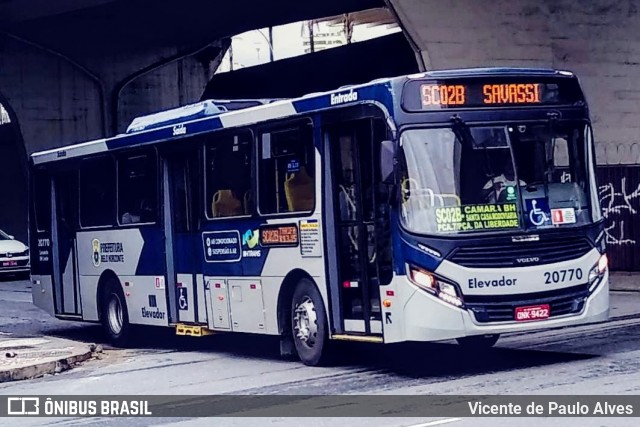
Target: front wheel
pixel 114 316
pixel 479 342
pixel 309 324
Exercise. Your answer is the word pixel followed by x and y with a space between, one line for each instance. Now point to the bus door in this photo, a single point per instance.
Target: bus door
pixel 363 251
pixel 64 204
pixel 179 227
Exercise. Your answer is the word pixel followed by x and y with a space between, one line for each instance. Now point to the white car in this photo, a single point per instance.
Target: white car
pixel 14 255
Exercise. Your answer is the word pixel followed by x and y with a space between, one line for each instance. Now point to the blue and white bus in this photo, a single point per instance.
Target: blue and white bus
pixel 444 205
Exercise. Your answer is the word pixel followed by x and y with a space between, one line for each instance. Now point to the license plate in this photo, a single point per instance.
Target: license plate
pixel 532 312
pixel 9 263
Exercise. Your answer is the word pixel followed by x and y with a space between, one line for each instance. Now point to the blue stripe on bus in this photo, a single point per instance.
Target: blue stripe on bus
pixel 377 92
pixel 152 260
pixel 161 134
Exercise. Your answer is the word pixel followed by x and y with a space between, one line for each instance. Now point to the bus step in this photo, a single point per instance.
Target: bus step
pixel 192 330
pixel 359 338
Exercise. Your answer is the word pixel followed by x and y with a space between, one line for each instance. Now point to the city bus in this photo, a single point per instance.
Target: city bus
pixel 456 204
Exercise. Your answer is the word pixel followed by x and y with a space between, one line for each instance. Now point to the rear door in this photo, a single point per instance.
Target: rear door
pixel 186 295
pixel 64 204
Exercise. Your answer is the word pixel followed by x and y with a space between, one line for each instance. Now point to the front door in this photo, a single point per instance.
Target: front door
pixel 363 261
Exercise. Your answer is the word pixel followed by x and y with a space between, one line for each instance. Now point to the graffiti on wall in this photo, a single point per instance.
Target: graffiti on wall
pixel 617 204
pixel 619 193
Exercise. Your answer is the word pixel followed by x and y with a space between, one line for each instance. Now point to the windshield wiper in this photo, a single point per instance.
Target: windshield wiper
pixel 462 131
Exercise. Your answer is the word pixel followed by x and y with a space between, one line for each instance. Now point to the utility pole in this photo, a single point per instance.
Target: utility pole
pixel 271 43
pixel 348 27
pixel 311 46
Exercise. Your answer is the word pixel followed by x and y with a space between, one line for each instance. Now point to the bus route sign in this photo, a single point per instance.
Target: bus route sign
pixel 477 217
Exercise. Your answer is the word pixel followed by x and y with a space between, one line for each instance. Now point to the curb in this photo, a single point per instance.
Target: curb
pixel 41 369
pixel 624 281
pixel 623 288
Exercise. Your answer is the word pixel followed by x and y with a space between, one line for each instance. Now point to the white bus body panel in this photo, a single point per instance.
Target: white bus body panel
pixel 424 317
pixel 145 296
pixel 523 280
pixel 89 297
pixel 42 293
pixel 217 302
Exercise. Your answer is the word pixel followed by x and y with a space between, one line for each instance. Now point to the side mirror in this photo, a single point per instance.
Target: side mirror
pixel 11 237
pixel 387 161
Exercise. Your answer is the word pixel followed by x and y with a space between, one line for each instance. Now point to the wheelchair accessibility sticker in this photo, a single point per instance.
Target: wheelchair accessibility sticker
pixel 183 302
pixel 538 213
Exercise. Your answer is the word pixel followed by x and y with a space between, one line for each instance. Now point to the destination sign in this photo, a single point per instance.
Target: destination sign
pixel 279 235
pixel 477 217
pixel 434 95
pixel 451 95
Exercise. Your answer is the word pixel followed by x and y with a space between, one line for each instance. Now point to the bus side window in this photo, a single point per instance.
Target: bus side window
pixel 228 176
pixel 42 200
pixel 286 170
pixel 137 188
pixel 97 192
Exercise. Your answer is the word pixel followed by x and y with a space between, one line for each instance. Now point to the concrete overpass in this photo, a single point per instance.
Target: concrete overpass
pixel 73 70
pixel 597 39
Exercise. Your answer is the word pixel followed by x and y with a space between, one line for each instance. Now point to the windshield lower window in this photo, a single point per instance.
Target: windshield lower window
pixel 497 178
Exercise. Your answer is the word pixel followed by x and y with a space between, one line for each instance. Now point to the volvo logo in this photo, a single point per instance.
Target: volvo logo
pixel 529 238
pixel 528 260
pixel 9 254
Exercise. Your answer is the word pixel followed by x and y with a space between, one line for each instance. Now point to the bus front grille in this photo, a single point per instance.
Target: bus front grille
pixel 501 308
pixel 521 254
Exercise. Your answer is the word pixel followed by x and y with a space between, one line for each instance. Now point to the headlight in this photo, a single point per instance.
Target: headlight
pixel 24 253
pixel 597 272
pixel 447 292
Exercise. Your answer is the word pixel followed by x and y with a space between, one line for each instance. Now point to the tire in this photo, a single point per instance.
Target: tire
pixel 114 316
pixel 478 342
pixel 309 324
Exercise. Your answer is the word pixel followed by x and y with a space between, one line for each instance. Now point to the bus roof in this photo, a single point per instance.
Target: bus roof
pixel 210 115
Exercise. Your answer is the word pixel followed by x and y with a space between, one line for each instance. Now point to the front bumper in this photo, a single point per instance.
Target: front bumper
pixel 426 318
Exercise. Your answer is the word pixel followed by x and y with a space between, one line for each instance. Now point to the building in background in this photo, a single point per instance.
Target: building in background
pixel 285 41
pixel 320 35
pixel 4 116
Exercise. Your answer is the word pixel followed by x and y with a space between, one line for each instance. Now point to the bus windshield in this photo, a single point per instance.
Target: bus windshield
pixel 519 176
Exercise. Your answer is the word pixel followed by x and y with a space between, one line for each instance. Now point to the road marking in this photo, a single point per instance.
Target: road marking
pixel 437 423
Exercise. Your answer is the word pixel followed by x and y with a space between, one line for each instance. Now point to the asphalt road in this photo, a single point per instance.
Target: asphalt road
pixel 595 359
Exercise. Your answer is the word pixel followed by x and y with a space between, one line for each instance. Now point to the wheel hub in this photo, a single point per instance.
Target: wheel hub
pixel 305 322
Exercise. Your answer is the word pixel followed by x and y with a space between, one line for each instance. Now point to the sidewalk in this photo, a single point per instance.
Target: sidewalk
pixel 24 358
pixel 625 281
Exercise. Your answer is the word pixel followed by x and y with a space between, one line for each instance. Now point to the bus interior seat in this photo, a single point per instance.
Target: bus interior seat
pixel 225 204
pixel 299 188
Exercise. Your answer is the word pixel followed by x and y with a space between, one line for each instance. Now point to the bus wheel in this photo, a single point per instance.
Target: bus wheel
pixel 309 323
pixel 479 342
pixel 114 316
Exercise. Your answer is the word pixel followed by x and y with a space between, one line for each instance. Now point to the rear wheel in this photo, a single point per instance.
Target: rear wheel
pixel 114 316
pixel 309 324
pixel 479 342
